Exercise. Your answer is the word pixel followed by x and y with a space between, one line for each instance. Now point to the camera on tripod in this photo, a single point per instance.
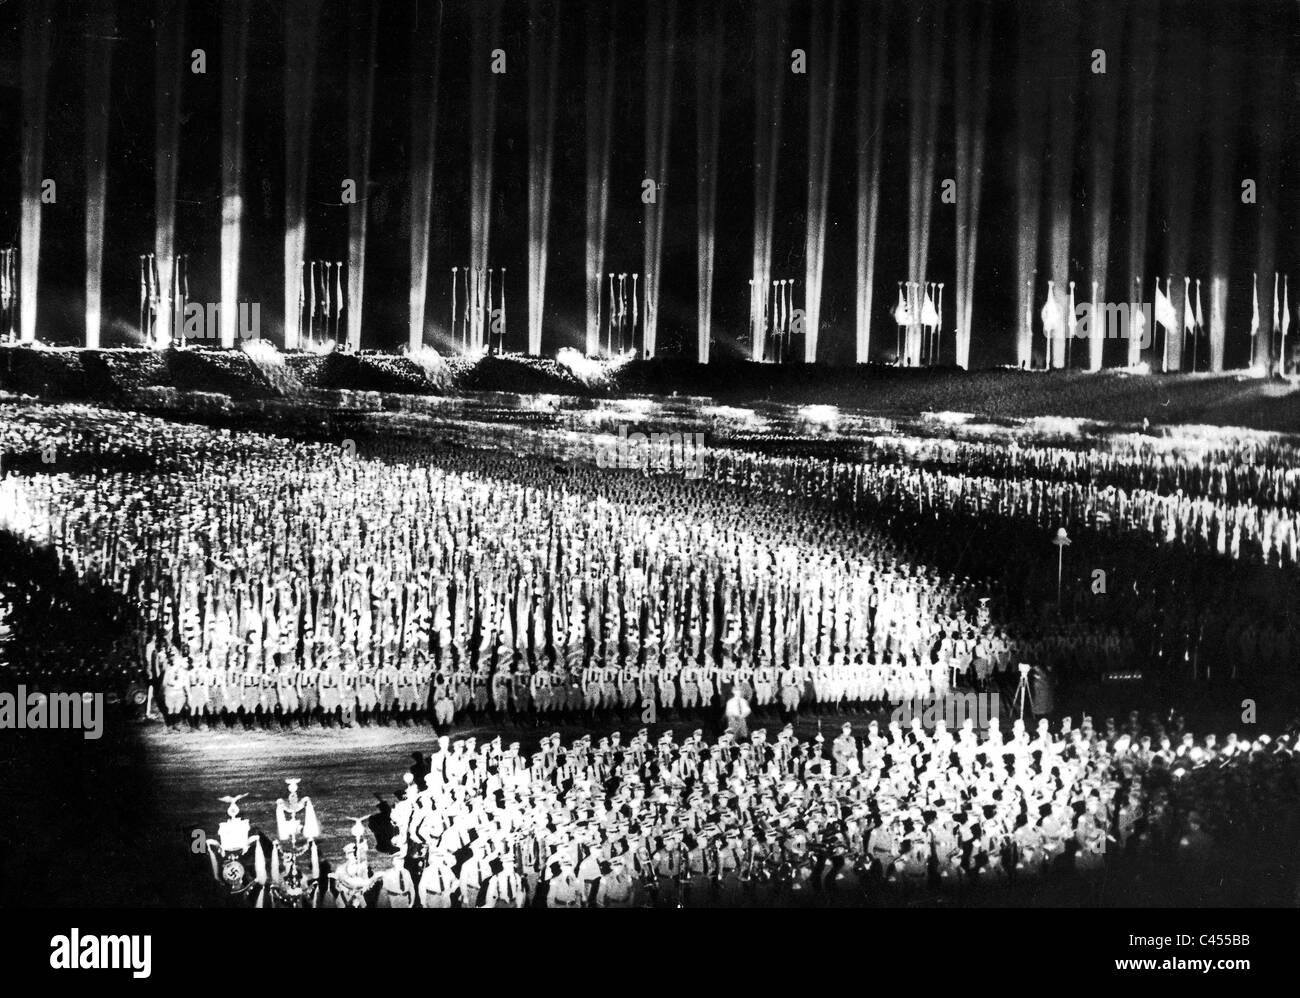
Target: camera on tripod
pixel 1024 698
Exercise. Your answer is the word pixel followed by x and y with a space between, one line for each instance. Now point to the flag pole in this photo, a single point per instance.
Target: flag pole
pixel 786 333
pixel 898 328
pixel 1196 333
pixel 938 334
pixel 930 333
pixel 1254 327
pixel 1050 334
pixel 1138 360
pixel 1069 327
pixel 1286 321
pixel 1155 315
pixel 903 326
pixel 927 332
pixel 1029 321
pixel 934 330
pixel 905 349
pixel 1272 330
pixel 905 331
pixel 918 321
pixel 1164 357
pixel 1093 329
pixel 144 284
pixel 751 318
pixel 930 292
pixel 924 345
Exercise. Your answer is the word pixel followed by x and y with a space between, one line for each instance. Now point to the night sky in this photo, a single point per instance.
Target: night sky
pixel 1222 62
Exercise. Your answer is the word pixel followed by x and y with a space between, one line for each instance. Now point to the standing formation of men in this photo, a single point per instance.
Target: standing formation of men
pixel 277 582
pixel 892 816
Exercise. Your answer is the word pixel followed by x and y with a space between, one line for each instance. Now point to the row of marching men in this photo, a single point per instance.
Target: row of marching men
pixel 1265 471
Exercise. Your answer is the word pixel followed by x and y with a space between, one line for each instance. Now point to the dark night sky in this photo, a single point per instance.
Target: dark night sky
pixel 1242 35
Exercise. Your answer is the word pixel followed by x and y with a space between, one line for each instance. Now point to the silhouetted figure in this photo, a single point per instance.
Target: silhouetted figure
pixel 419 768
pixel 382 827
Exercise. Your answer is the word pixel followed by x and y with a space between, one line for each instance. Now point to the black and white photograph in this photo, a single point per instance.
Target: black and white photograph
pixel 752 454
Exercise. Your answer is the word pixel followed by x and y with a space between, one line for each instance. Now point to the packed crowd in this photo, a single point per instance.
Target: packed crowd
pixel 1240 530
pixel 294 578
pixel 281 581
pixel 894 815
pixel 1261 471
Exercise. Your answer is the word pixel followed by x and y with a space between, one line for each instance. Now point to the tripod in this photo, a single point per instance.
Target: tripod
pixel 1023 695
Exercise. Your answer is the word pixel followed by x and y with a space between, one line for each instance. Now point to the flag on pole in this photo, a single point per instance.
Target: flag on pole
pixel 1200 317
pixel 938 325
pixel 1276 319
pixel 1138 331
pixel 1286 319
pixel 1051 313
pixel 1254 321
pixel 929 314
pixel 1164 311
pixel 901 314
pixel 1286 308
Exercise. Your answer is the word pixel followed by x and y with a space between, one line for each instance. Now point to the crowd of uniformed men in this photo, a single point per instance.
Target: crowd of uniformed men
pixel 891 816
pixel 278 582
